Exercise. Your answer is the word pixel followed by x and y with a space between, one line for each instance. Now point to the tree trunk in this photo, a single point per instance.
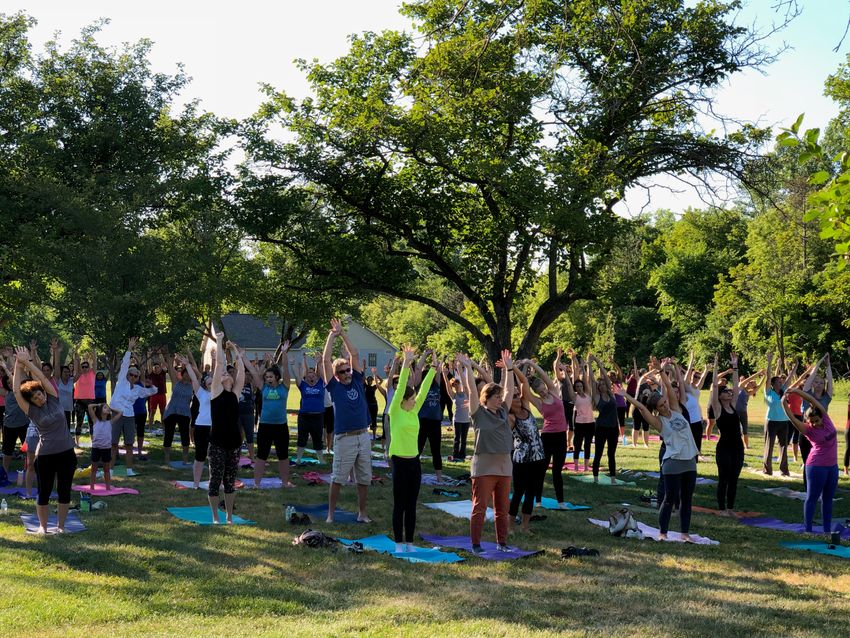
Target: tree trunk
pixel 112 366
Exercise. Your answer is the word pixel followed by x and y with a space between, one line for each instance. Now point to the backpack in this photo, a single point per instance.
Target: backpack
pixel 314 539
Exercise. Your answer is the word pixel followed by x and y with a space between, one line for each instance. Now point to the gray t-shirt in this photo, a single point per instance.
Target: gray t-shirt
pixel 53 434
pixel 494 443
pixel 66 394
pixel 14 416
pixel 461 414
pixel 676 432
pixel 181 399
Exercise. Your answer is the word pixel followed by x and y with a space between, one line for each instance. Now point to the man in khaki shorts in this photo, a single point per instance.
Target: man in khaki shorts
pixel 352 441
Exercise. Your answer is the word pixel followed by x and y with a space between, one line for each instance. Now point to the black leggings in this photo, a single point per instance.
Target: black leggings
pixel 528 481
pixel 81 407
pixel 172 422
pixel 555 449
pixel 373 416
pixel 678 488
pixel 459 449
pixel 729 464
pixel 141 419
pixel 621 416
pixel 272 433
pixel 583 434
pixel 696 431
pixel 57 467
pixel 430 430
pixel 223 467
pixel 847 447
pixel 610 436
pixel 407 478
pixel 311 425
pixel 805 450
pixel 202 442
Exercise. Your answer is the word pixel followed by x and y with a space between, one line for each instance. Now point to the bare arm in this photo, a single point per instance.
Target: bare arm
pixel 736 381
pixel 648 416
pixel 240 369
pixel 713 400
pixel 449 389
pixel 525 390
pixel 670 393
pixel 283 359
pixel 482 373
pixel 251 369
pixel 353 354
pixel 190 369
pixel 327 366
pixel 543 376
pixel 469 385
pixel 508 381
pixel 797 423
pixel 220 370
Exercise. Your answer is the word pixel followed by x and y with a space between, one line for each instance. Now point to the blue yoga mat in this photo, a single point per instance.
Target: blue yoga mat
pixel 459 509
pixel 551 504
pixel 383 544
pixel 73 523
pixel 819 548
pixel 320 513
pixel 799 528
pixel 293 461
pixel 203 516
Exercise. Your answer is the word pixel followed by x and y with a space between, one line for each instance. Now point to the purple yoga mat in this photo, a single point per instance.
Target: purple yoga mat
pixel 490 550
pixel 21 492
pixel 799 528
pixel 72 523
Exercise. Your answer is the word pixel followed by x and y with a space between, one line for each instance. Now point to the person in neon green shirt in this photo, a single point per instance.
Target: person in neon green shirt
pixel 404 450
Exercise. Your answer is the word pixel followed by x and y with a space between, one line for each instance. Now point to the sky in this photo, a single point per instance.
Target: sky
pixel 229 48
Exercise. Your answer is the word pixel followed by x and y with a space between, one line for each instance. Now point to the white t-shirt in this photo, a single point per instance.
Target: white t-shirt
pixel 101 437
pixel 204 415
pixel 692 404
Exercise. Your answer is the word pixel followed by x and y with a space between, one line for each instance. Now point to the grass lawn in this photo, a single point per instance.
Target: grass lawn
pixel 139 571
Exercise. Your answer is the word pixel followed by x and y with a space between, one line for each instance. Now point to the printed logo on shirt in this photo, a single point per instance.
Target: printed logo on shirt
pixel 352 394
pixel 273 395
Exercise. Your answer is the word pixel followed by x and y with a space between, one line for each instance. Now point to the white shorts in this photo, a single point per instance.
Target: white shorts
pixel 353 452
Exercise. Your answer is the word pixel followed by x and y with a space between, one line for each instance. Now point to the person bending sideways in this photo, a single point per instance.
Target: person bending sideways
pixel 55 460
pixel 679 465
pixel 352 444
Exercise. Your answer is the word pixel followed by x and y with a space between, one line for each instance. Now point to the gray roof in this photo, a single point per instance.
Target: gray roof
pixel 252 332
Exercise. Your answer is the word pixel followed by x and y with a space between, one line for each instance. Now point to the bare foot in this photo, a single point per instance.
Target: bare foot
pixel 289 484
pixel 329 519
pixel 229 521
pixel 362 518
pixel 662 537
pixel 687 538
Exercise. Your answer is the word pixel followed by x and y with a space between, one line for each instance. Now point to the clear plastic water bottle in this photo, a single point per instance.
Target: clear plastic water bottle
pixel 289 512
pixel 4 507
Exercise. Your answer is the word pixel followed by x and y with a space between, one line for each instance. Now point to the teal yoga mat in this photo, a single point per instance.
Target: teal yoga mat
pixel 840 551
pixel 203 516
pixel 383 544
pixel 552 504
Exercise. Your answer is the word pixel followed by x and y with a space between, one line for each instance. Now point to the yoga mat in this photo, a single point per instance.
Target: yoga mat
pixel 784 492
pixel 20 492
pixel 380 463
pixel 266 483
pixel 458 509
pixel 203 516
pixel 654 533
pixel 776 476
pixel 384 545
pixel 180 465
pixel 293 461
pixel 708 510
pixel 799 528
pixel 73 524
pixel 490 550
pixel 203 485
pixel 244 460
pixel 320 513
pixel 314 478
pixel 603 480
pixel 100 490
pixel 701 480
pixel 121 470
pixel 431 479
pixel 840 551
pixel 551 504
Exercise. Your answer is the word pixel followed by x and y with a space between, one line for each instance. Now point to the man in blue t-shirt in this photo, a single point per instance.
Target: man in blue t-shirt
pixel 352 443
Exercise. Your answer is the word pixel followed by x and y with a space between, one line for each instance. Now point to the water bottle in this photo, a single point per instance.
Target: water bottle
pixel 4 507
pixel 289 512
pixel 85 502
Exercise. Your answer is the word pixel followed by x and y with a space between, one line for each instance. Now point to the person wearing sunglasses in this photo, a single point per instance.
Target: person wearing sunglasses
pixel 352 444
pixel 124 395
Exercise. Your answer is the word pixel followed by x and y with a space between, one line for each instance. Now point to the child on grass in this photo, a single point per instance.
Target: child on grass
pixel 102 417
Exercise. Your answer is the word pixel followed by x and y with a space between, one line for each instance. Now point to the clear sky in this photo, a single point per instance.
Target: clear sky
pixel 229 47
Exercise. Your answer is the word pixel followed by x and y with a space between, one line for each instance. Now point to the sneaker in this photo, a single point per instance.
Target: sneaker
pixel 503 548
pixel 477 550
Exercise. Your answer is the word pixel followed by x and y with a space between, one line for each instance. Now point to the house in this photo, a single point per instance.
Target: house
pixel 260 336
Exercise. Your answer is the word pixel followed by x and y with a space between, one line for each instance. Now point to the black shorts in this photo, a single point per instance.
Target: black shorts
pixel 277 433
pixel 329 420
pixel 202 442
pixel 639 422
pixel 10 436
pixel 141 419
pixel 311 425
pixel 101 455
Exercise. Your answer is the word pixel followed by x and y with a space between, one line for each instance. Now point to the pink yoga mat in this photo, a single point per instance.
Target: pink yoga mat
pixel 100 490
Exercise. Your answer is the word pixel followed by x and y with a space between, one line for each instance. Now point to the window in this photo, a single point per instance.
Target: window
pixel 373 360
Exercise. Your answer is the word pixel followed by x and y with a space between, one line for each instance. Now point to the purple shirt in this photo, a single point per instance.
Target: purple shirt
pixel 824 444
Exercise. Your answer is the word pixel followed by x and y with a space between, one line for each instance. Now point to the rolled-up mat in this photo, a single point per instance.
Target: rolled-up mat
pixel 383 544
pixel 491 550
pixel 203 516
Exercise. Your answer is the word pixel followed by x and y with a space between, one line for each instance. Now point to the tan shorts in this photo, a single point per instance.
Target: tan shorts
pixel 353 452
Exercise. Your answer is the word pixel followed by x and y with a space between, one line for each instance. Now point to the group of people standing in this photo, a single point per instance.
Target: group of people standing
pixel 584 404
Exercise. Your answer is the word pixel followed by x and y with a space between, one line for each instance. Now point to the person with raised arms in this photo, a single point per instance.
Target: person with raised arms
pixel 389 391
pixel 491 468
pixel 693 382
pixel 607 425
pixel 584 423
pixel 124 394
pixel 55 461
pixel 528 457
pixel 273 428
pixel 156 375
pixel 431 414
pixel 15 420
pixel 777 424
pixel 203 422
pixel 460 414
pixel 404 451
pixel 822 465
pixel 84 377
pixel 679 465
pixel 351 444
pixel 563 375
pixel 311 413
pixel 177 415
pixel 729 454
pixel 820 387
pixel 225 433
pixel 541 392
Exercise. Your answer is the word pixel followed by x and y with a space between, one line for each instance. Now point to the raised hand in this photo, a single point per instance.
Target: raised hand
pixel 374 371
pixel 336 327
pixel 733 358
pixel 408 353
pixel 131 343
pixel 284 347
pixel 507 359
pixel 22 355
pixel 54 344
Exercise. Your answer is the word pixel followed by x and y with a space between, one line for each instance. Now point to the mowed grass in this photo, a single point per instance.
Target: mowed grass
pixel 139 571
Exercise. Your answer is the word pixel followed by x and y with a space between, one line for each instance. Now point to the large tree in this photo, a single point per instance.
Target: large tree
pixel 491 147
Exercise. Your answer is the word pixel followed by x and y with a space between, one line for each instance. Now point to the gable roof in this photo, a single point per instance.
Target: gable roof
pixel 252 332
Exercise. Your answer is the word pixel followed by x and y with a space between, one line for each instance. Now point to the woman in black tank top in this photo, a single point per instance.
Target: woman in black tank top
pixel 225 434
pixel 729 454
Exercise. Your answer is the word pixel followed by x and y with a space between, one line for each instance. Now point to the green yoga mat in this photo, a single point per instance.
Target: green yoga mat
pixel 603 480
pixel 840 551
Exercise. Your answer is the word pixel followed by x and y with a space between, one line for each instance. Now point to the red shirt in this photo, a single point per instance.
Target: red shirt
pixel 795 402
pixel 158 380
